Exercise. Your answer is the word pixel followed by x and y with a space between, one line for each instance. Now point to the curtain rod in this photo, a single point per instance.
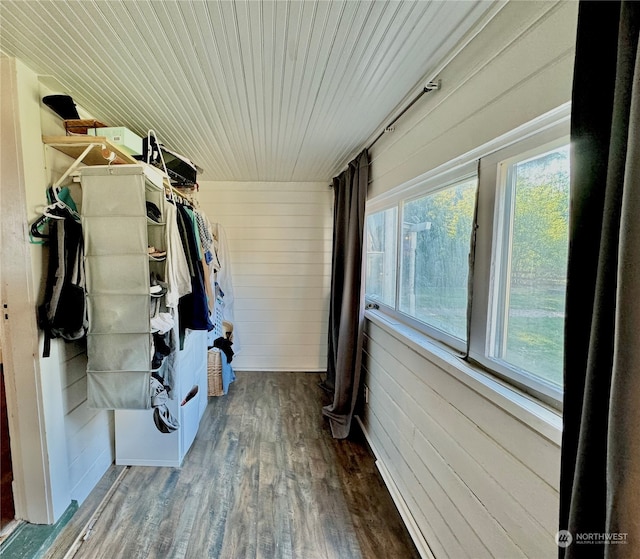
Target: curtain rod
pixel 431 86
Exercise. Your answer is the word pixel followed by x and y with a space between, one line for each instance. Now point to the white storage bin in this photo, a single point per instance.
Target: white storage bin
pixel 124 138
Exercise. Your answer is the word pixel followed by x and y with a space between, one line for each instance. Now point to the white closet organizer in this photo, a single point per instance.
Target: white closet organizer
pixel 139 443
pixel 117 236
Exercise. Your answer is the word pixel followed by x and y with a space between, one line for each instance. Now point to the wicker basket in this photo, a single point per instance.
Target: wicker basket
pixel 214 373
pixel 73 127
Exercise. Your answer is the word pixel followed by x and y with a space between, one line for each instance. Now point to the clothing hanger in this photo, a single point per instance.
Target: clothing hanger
pixel 58 208
pixel 36 231
pixel 61 199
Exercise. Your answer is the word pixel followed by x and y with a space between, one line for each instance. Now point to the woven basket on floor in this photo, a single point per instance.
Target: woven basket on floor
pixel 214 373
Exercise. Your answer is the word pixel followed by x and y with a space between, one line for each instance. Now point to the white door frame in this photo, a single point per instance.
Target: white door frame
pixel 25 406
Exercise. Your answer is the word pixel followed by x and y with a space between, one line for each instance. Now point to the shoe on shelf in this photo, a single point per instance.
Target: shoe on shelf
pixel 157 288
pixel 156 254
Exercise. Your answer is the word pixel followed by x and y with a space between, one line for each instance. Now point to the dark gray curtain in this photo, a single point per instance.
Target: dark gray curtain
pixel 600 468
pixel 346 300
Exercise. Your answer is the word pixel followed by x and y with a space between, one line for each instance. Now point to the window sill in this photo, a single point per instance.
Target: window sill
pixel 536 415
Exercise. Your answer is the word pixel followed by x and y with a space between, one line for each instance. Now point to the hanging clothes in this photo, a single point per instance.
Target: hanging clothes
pixel 221 273
pixel 204 229
pixel 193 307
pixel 63 313
pixel 178 277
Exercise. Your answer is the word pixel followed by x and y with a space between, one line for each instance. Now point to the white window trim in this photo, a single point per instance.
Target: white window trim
pixel 547 128
pixel 488 254
pixel 426 186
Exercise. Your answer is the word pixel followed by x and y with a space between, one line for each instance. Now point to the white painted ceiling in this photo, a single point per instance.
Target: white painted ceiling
pixel 248 90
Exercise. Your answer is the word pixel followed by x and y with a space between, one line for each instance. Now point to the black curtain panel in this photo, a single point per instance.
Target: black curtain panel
pixel 600 467
pixel 346 300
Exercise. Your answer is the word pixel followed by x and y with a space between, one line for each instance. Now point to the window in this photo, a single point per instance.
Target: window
pixel 418 247
pixel 531 259
pixel 380 280
pixel 418 256
pixel 436 233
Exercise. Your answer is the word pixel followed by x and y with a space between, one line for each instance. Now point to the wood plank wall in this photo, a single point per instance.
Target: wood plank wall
pixel 477 481
pixel 86 435
pixel 279 238
pixel 89 433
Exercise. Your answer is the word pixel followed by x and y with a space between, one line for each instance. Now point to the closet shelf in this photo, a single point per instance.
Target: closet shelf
pixel 73 146
pixel 152 222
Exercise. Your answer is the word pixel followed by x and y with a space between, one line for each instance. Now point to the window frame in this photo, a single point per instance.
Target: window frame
pixel 375 300
pixel 419 189
pixel 490 216
pixel 550 130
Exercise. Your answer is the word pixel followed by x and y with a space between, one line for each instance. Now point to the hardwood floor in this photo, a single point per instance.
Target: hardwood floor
pixel 264 479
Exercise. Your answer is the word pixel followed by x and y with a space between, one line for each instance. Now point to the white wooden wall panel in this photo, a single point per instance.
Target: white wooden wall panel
pixel 526 445
pixel 519 67
pixel 425 513
pixel 88 432
pixel 478 481
pixel 431 459
pixel 475 485
pixel 282 281
pixel 279 237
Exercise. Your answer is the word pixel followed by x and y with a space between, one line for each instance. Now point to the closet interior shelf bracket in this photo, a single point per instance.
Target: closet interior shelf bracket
pixel 73 166
pixel 96 151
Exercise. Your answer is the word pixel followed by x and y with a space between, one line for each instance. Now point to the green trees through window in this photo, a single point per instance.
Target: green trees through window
pixel 436 236
pixel 532 270
pixel 418 262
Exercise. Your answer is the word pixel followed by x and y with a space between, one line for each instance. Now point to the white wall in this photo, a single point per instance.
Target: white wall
pixel 78 442
pixel 279 237
pixel 89 433
pixel 478 475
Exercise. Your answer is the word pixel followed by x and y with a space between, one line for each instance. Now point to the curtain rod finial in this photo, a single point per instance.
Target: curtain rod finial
pixel 433 86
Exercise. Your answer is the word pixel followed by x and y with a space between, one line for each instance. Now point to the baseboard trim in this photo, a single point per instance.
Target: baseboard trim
pixel 278 370
pixel 414 531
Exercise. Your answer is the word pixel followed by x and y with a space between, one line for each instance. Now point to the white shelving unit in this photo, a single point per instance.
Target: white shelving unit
pixel 118 233
pixel 138 441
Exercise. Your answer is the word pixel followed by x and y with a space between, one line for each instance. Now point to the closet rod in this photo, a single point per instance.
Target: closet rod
pixel 431 86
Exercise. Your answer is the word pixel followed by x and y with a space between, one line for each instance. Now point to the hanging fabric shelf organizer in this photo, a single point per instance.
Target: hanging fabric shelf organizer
pixel 117 236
